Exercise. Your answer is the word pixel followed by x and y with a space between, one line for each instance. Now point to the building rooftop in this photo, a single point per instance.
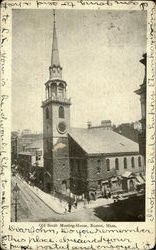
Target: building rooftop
pixel 38 144
pixel 25 153
pixel 101 141
pixel 34 136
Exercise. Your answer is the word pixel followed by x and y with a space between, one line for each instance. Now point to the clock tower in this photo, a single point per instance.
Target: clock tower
pixel 56 123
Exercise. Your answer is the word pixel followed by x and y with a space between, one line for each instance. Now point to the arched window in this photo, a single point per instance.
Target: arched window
pixel 125 162
pixel 139 161
pixel 108 164
pixel 98 166
pixel 48 91
pixel 61 85
pixel 132 162
pixel 64 185
pixel 61 112
pixel 117 164
pixel 54 89
pixel 47 113
pixel 60 90
pixel 79 167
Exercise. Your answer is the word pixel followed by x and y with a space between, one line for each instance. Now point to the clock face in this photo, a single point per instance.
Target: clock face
pixel 61 127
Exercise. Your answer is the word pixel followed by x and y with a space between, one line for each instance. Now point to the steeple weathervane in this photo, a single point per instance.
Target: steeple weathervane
pixel 54 16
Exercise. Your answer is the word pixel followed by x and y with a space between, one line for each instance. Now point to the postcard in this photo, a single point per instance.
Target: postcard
pixel 77 125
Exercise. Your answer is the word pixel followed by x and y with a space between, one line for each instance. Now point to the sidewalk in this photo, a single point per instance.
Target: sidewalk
pixel 60 206
pixel 52 202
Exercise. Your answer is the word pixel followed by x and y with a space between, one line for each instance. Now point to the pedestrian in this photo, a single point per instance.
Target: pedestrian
pixel 69 207
pixel 84 202
pixel 88 199
pixel 107 194
pixel 65 210
pixel 75 203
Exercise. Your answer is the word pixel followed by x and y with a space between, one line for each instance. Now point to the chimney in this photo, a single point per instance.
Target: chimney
pixel 89 124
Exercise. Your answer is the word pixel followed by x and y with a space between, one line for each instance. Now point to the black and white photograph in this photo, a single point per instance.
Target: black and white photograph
pixel 78 115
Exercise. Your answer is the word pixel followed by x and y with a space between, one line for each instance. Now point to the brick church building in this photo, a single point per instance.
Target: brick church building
pixel 78 160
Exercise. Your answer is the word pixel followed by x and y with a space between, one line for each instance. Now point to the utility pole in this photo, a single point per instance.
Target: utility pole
pixel 16 210
pixel 16 198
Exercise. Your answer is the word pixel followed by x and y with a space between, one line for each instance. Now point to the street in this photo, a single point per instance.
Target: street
pixel 32 208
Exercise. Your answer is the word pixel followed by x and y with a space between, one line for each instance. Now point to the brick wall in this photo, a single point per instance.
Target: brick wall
pixel 78 168
pixel 96 168
pixel 121 170
pixel 61 168
pixel 56 148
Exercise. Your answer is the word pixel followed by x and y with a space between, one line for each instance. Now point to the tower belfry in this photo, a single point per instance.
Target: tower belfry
pixel 56 124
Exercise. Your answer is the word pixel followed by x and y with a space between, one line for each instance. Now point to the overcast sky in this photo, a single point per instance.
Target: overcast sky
pixel 99 52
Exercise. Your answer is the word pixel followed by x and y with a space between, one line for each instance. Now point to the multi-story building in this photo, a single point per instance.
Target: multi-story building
pixel 14 146
pixel 25 162
pixel 30 162
pixel 142 93
pixel 36 148
pixel 128 130
pixel 24 140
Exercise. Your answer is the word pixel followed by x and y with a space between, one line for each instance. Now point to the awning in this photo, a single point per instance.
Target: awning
pixel 119 177
pixel 114 179
pixel 128 174
pixel 139 180
pixel 104 182
pixel 143 177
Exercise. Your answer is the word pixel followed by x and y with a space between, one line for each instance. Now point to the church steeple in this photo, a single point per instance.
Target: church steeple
pixel 56 124
pixel 55 69
pixel 55 53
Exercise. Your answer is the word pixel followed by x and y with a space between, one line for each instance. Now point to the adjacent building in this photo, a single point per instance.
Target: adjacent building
pixel 128 130
pixel 25 162
pixel 142 93
pixel 14 146
pixel 36 149
pixel 25 139
pixel 30 162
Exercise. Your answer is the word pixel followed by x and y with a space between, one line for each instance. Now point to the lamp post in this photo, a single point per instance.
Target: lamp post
pixel 16 191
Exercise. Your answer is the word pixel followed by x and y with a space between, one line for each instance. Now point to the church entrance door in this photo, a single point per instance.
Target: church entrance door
pixel 64 186
pixel 48 187
pixel 131 185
